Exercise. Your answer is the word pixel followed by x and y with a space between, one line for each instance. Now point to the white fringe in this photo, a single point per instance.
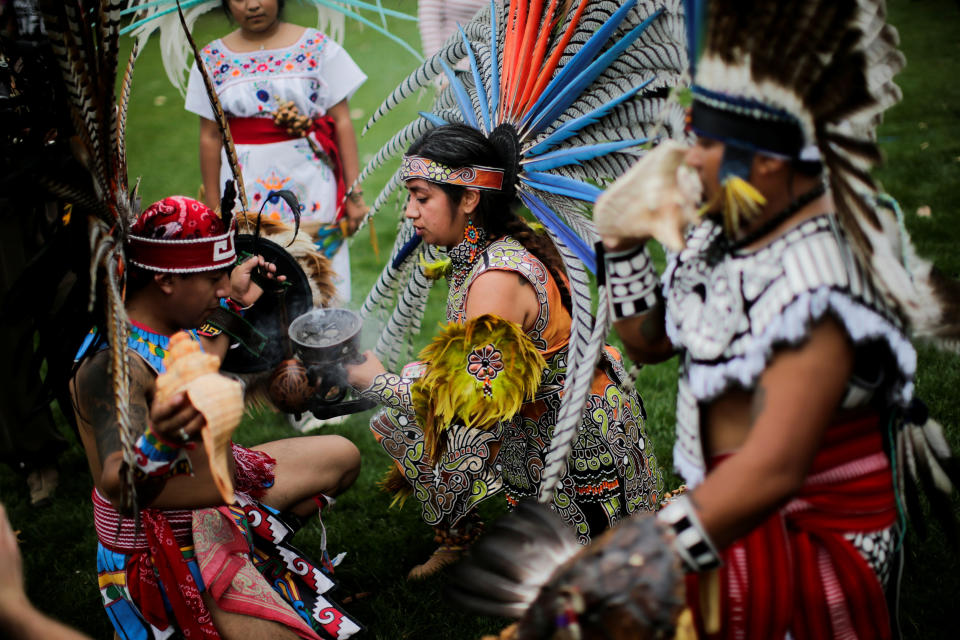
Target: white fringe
pixel 792 327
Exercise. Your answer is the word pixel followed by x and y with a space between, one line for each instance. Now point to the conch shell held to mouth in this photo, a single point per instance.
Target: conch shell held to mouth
pixel 217 397
pixel 657 197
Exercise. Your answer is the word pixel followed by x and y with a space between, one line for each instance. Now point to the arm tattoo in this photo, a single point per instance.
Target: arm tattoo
pixel 98 402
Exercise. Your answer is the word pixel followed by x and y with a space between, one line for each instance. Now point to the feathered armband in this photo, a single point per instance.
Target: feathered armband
pixel 480 373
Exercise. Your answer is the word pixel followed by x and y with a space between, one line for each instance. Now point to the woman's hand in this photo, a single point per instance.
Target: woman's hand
pixel 356 210
pixel 360 376
pixel 243 290
pixel 176 420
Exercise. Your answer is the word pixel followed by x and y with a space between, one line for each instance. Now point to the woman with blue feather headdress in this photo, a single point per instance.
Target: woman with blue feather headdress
pixel 518 393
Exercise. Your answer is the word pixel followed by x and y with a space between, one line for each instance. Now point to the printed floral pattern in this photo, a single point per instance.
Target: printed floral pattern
pixel 484 365
pixel 225 65
pixel 433 171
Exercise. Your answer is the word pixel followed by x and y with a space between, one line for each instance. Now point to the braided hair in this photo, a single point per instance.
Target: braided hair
pixel 457 145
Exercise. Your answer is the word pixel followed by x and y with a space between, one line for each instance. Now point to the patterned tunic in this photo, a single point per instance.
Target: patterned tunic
pixel 808 570
pixel 611 472
pixel 729 311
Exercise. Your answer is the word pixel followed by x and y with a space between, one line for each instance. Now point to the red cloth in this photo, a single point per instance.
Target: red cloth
pixel 183 592
pixel 178 218
pixel 322 130
pixel 155 551
pixel 796 572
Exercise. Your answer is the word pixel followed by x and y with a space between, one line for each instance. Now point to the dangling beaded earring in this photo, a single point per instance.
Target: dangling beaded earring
pixel 472 237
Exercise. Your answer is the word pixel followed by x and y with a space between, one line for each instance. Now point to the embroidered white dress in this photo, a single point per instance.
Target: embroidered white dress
pixel 315 73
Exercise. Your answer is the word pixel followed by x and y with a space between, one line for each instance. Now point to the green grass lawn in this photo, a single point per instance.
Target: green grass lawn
pixel 921 138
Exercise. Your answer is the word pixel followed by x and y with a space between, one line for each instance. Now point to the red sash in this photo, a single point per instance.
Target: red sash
pixel 155 551
pixel 322 131
pixel 796 572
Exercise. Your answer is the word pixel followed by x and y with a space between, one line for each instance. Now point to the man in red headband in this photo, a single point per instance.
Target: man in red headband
pixel 194 564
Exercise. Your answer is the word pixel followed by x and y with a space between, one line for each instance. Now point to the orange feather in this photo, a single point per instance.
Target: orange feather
pixel 526 47
pixel 515 53
pixel 547 74
pixel 539 52
pixel 507 55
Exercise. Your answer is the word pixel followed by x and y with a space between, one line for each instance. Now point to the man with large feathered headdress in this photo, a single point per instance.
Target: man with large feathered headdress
pixel 789 303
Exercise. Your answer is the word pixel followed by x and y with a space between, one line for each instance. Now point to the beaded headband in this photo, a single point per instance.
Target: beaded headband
pixel 433 171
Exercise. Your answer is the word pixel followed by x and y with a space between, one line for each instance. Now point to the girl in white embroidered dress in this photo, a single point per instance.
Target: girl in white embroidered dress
pixel 263 63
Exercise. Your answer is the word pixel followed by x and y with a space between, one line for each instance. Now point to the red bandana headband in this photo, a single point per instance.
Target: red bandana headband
pixel 433 171
pixel 181 235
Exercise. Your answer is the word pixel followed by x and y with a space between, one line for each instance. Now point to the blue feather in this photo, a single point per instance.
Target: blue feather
pixel 574 189
pixel 695 14
pixel 567 235
pixel 495 62
pixel 372 25
pixel 573 126
pixel 466 107
pixel 576 155
pixel 133 25
pixel 561 185
pixel 573 90
pixel 432 117
pixel 379 9
pixel 581 59
pixel 478 82
pixel 185 4
pixel 406 250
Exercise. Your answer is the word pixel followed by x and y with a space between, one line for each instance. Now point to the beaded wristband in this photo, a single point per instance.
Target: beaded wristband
pixel 691 541
pixel 156 457
pixel 233 305
pixel 631 282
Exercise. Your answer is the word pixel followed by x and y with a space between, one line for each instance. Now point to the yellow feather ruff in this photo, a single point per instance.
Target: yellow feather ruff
pixel 435 270
pixel 480 373
pixel 741 203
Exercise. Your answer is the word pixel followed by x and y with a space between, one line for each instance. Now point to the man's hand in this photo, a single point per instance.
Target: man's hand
pixel 243 290
pixel 361 376
pixel 176 419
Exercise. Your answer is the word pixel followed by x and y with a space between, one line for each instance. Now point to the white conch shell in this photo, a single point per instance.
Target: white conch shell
pixel 657 197
pixel 217 397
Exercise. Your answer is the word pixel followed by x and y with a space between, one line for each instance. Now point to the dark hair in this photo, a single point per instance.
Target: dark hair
pixel 457 145
pixel 225 5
